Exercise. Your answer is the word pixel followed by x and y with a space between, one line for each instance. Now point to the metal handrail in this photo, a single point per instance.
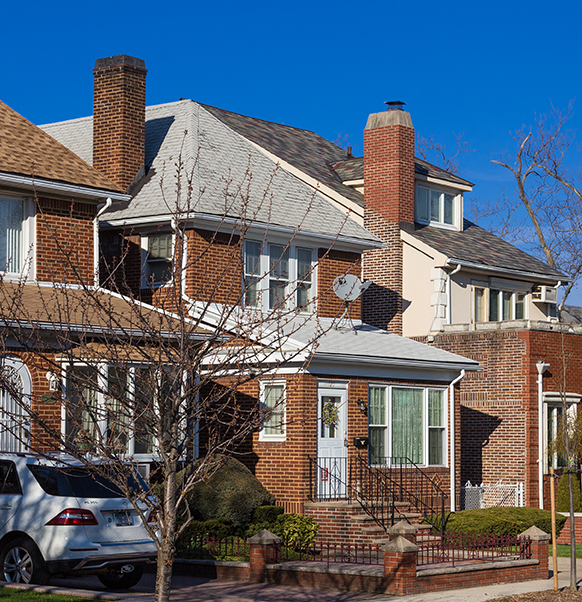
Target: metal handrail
pixel 378 488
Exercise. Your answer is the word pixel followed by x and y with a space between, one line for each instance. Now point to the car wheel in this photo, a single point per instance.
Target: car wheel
pixel 22 562
pixel 122 580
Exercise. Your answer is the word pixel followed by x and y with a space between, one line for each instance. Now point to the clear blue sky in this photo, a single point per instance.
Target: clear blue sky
pixel 482 68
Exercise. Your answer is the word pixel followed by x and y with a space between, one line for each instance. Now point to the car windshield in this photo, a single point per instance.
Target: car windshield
pixel 79 482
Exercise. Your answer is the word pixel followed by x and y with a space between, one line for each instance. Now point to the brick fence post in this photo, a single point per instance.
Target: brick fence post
pixel 261 553
pixel 539 549
pixel 400 566
pixel 404 529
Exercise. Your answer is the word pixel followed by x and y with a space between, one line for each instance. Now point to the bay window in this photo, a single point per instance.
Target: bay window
pixel 116 405
pixel 406 424
pixel 278 276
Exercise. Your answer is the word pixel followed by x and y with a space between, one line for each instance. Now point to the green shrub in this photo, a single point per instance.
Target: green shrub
pixel 502 521
pixel 232 492
pixel 563 496
pixel 267 514
pixel 296 530
pixel 255 528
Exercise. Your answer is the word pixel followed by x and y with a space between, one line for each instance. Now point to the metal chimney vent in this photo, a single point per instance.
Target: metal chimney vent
pixel 395 105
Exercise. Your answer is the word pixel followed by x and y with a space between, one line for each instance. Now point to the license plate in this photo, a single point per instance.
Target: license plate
pixel 123 519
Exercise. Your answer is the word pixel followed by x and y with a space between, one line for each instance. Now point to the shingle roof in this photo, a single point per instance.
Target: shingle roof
pixel 27 150
pixel 373 343
pixel 84 310
pixel 478 246
pixel 353 169
pixel 229 175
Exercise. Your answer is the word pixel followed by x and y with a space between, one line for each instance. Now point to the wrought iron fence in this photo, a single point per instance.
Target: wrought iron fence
pixel 455 548
pixel 220 548
pixel 330 553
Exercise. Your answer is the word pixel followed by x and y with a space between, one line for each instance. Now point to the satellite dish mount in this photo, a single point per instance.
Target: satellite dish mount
pixel 348 288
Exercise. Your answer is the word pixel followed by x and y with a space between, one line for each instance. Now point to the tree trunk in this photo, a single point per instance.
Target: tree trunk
pixel 168 534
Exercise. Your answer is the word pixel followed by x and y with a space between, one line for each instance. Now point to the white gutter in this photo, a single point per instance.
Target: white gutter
pixel 336 241
pixel 452 439
pixel 42 185
pixel 541 367
pixel 503 271
pixel 450 299
pixel 108 204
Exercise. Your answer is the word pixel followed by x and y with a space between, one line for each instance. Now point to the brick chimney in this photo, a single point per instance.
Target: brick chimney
pixel 119 117
pixel 389 201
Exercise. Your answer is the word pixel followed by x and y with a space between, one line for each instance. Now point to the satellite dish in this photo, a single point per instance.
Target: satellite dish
pixel 348 288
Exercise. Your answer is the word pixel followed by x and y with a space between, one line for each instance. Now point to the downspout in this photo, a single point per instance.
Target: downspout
pixel 452 439
pixel 108 203
pixel 450 294
pixel 541 367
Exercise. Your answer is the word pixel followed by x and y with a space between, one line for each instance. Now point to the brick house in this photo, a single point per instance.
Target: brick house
pixel 50 202
pixel 268 222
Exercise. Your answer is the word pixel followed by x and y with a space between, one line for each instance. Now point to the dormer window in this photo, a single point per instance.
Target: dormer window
pixel 438 207
pixel 278 276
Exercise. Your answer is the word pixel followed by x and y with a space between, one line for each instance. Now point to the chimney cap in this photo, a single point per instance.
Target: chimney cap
pixel 395 105
pixel 119 59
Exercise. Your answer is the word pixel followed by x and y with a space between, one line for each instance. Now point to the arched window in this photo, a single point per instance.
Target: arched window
pixel 15 396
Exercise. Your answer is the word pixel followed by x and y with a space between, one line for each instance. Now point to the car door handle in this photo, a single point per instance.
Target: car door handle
pixel 6 507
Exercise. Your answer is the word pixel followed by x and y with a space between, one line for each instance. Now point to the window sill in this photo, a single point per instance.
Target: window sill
pixel 272 438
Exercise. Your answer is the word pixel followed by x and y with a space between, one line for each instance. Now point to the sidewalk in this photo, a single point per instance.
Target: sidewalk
pixel 193 589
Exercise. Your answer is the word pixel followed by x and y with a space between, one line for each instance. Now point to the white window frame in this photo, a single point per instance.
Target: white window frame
pixel 282 435
pixel 553 405
pixel 27 242
pixel 102 369
pixel 502 289
pixel 425 420
pixel 264 276
pixel 146 281
pixel 424 215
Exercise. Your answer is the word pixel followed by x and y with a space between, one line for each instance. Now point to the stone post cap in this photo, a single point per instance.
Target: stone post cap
pixel 536 534
pixel 402 528
pixel 264 537
pixel 400 545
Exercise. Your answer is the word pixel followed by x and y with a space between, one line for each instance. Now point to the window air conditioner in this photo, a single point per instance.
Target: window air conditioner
pixel 545 294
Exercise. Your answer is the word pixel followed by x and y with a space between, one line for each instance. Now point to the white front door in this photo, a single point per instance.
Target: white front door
pixel 15 399
pixel 332 440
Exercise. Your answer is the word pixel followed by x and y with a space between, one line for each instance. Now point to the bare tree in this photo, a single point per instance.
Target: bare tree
pixel 436 153
pixel 179 382
pixel 550 193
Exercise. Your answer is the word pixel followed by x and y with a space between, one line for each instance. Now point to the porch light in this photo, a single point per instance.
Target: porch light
pixel 363 405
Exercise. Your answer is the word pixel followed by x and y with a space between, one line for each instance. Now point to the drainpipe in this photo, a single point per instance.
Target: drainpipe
pixel 450 299
pixel 108 203
pixel 541 367
pixel 452 439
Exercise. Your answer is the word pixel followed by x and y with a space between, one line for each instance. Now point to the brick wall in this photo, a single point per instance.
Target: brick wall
pixel 64 241
pixel 119 118
pixel 331 264
pixel 498 435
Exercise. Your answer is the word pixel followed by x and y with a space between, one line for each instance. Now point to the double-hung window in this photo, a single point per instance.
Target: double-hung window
pixel 16 233
pixel 273 409
pixel 278 276
pixel 407 424
pixel 437 206
pixel 158 253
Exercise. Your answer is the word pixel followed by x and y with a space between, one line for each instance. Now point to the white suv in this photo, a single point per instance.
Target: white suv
pixel 57 519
